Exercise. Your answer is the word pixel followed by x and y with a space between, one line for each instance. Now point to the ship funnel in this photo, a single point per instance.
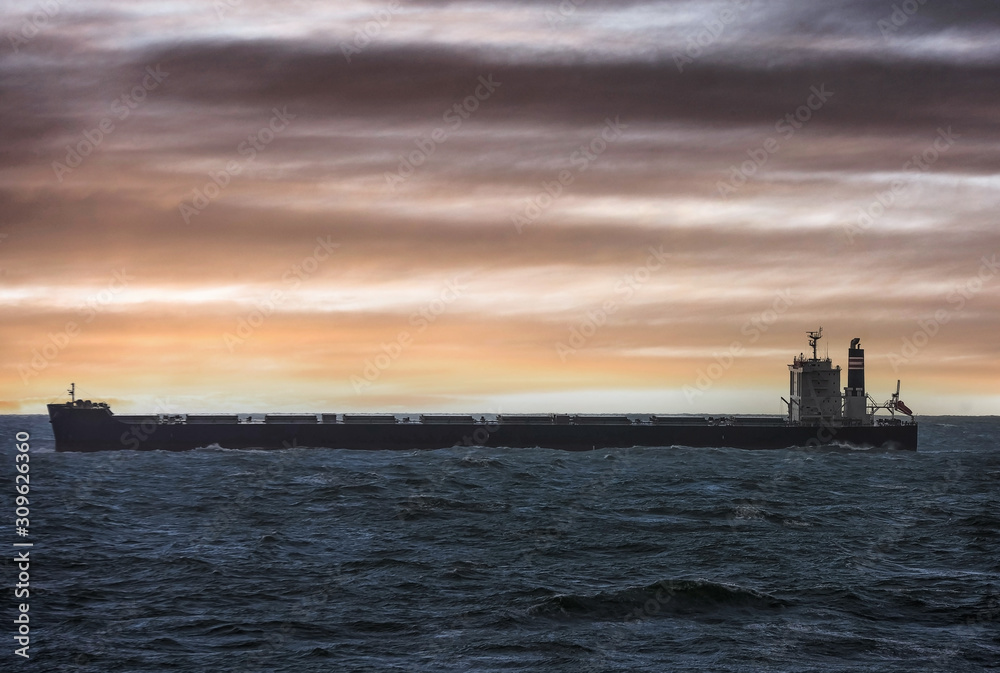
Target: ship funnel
pixel 856 365
pixel 855 398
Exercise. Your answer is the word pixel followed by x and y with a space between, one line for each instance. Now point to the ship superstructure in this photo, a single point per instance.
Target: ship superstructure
pixel 815 396
pixel 814 390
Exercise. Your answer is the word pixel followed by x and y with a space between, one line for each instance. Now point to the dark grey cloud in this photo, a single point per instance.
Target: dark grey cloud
pixel 214 82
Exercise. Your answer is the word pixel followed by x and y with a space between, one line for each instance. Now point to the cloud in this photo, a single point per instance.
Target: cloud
pixel 783 225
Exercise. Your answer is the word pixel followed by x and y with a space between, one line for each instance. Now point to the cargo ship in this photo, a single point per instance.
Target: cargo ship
pixel 819 414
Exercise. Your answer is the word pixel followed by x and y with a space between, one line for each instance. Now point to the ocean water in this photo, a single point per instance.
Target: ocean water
pixel 471 559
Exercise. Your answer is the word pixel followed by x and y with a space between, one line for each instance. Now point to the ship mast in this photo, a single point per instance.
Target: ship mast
pixel 813 338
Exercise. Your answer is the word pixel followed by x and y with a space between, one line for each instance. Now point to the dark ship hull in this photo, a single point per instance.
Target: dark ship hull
pixel 818 415
pixel 95 428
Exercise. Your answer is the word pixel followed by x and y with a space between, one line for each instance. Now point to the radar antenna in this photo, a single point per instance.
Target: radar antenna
pixel 813 338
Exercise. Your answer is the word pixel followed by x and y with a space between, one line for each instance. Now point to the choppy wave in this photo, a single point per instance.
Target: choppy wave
pixel 475 559
pixel 668 597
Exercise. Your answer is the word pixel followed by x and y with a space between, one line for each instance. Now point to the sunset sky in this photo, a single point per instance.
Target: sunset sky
pixel 513 206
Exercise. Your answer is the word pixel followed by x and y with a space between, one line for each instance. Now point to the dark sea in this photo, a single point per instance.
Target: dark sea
pixel 471 559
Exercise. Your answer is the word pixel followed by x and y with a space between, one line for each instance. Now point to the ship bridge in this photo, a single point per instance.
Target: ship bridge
pixel 814 388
